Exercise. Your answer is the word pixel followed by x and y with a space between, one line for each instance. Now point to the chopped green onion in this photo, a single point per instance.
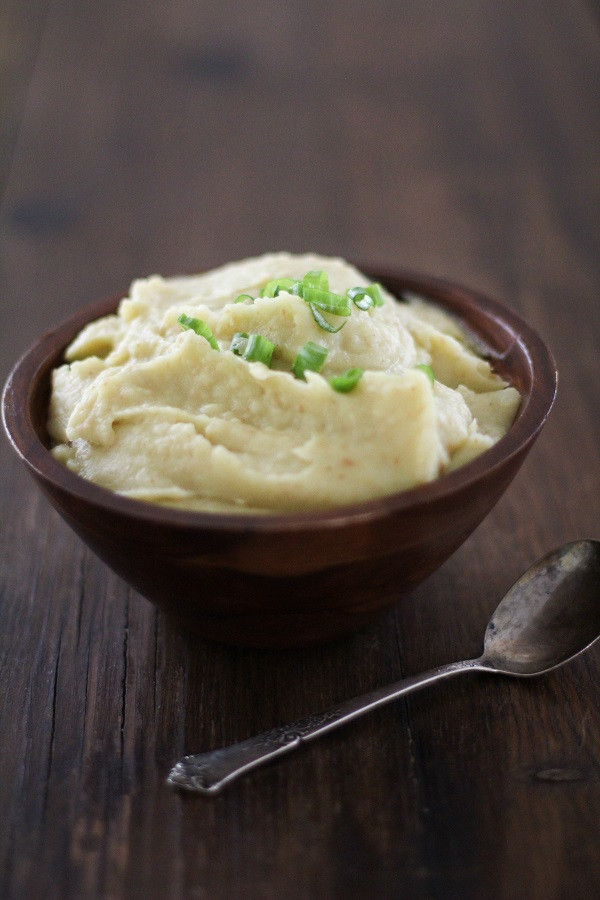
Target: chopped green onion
pixel 252 347
pixel 243 297
pixel 199 327
pixel 360 297
pixel 347 381
pixel 272 288
pixel 297 289
pixel 316 279
pixel 239 343
pixel 327 301
pixel 311 356
pixel 423 367
pixel 322 321
pixel 375 292
pixel 259 349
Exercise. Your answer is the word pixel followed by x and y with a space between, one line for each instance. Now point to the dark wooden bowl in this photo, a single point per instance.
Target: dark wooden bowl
pixel 304 577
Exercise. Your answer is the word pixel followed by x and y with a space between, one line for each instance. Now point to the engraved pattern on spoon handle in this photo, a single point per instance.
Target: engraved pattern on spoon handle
pixel 207 773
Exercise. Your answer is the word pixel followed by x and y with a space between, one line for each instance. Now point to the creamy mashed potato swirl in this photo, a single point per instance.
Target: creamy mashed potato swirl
pixel 152 411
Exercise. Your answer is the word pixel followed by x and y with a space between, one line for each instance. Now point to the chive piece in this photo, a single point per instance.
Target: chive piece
pixel 375 292
pixel 259 349
pixel 272 288
pixel 252 347
pixel 327 301
pixel 297 289
pixel 316 279
pixel 347 381
pixel 322 321
pixel 243 297
pixel 199 327
pixel 239 343
pixel 423 367
pixel 311 356
pixel 360 297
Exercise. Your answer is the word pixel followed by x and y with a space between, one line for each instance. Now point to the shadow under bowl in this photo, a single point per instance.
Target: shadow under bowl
pixel 291 579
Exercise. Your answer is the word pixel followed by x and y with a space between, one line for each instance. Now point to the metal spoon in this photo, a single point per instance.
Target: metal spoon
pixel 548 617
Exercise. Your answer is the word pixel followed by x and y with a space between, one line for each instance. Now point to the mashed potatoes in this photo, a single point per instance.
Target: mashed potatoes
pixel 168 400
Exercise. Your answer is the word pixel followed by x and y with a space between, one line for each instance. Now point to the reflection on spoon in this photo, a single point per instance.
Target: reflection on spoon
pixel 549 616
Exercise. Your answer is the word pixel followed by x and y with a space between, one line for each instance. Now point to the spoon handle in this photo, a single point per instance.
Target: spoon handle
pixel 207 773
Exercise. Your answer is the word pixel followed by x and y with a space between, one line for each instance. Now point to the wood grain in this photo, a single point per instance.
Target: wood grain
pixel 460 140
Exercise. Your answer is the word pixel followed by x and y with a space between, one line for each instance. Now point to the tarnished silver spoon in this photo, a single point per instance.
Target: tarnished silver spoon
pixel 548 617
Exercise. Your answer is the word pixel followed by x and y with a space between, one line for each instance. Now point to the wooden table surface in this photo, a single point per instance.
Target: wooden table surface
pixel 458 139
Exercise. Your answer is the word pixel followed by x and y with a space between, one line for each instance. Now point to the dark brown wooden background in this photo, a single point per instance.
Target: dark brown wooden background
pixel 460 139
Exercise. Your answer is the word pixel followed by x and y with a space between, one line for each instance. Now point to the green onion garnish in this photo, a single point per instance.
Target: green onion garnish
pixel 243 297
pixel 347 381
pixel 311 356
pixel 423 367
pixel 199 327
pixel 322 321
pixel 272 288
pixel 327 301
pixel 252 347
pixel 316 279
pixel 239 343
pixel 375 292
pixel 259 349
pixel 360 297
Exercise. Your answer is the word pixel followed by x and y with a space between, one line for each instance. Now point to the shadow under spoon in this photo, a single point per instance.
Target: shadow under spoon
pixel 548 617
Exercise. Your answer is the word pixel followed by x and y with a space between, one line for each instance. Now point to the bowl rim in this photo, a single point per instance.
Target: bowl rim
pixel 34 365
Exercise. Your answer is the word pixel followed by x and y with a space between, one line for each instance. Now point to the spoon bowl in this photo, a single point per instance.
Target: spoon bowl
pixel 550 615
pixel 547 618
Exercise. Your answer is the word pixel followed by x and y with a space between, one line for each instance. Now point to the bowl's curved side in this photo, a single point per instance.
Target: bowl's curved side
pixel 281 580
pixel 208 586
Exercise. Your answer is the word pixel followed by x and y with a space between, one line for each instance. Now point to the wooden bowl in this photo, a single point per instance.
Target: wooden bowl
pixel 283 580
